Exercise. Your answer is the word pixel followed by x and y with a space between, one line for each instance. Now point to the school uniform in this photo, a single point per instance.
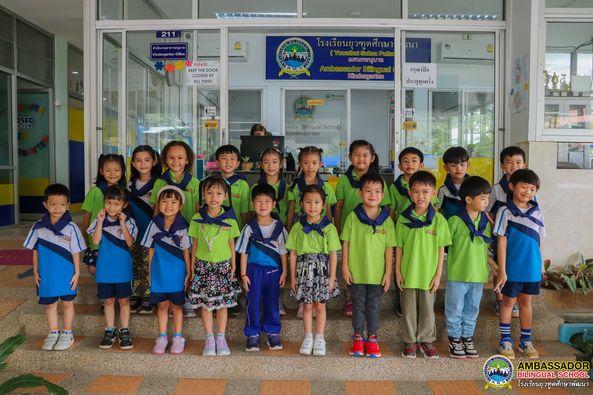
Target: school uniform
pixel 55 245
pixel 264 245
pixel 498 196
pixel 296 189
pixel 281 210
pixel 188 184
pixel 240 196
pixel 449 201
pixel 400 197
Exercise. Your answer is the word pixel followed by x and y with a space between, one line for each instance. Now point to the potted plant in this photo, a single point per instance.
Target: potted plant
pixel 246 164
pixel 583 341
pixel 574 276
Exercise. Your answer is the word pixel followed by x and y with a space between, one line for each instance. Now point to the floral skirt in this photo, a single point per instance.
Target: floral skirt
pixel 140 288
pixel 213 286
pixel 312 273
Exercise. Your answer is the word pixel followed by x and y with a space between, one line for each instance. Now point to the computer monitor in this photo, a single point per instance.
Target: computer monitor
pixel 253 146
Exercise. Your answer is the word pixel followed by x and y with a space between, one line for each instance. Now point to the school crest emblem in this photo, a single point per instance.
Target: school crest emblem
pixel 301 109
pixel 498 372
pixel 294 57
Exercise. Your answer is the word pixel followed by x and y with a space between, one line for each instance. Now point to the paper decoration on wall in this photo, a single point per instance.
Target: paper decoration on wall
pixel 172 66
pixel 35 149
pixel 520 84
pixel 32 107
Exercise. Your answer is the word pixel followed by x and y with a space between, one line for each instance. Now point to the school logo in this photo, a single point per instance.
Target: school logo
pixel 498 372
pixel 294 57
pixel 301 109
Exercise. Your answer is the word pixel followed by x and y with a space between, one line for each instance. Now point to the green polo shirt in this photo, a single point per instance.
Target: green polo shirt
pixel 401 202
pixel 294 193
pixel 351 198
pixel 192 196
pixel 313 243
pixel 94 201
pixel 420 247
pixel 366 253
pixel 467 260
pixel 218 235
pixel 240 197
pixel 281 206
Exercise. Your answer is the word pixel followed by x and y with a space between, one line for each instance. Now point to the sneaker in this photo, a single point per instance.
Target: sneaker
pixel 274 342
pixel 146 309
pixel 160 345
pixel 50 341
pixel 252 344
pixel 108 339
pixel 222 348
pixel 526 348
pixel 497 304
pixel 429 350
pixel 409 350
pixel 319 346
pixel 209 346
pixel 65 341
pixel 125 339
pixel 177 345
pixel 300 311
pixel 372 347
pixel 188 311
pixel 357 348
pixel 515 312
pixel 398 310
pixel 348 309
pixel 470 349
pixel 456 349
pixel 135 305
pixel 307 346
pixel 506 349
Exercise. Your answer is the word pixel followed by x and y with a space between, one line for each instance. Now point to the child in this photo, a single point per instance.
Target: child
pixel 519 227
pixel 314 243
pixel 368 239
pixel 228 160
pixel 456 162
pixel 467 261
pixel 111 171
pixel 214 286
pixel 271 162
pixel 169 266
pixel 364 160
pixel 421 234
pixel 114 233
pixel 263 269
pixel 145 170
pixel 57 243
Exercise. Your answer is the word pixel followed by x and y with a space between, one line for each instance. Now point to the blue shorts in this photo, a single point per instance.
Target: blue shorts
pixel 114 290
pixel 54 299
pixel 512 289
pixel 177 298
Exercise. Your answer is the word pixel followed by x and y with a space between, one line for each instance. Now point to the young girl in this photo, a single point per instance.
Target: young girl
pixel 145 170
pixel 364 160
pixel 314 243
pixel 214 286
pixel 169 266
pixel 111 171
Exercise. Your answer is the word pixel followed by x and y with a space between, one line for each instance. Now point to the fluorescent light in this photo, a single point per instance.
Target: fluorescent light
pixel 244 15
pixel 75 72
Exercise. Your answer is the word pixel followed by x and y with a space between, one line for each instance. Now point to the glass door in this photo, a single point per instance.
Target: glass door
pixel 7 190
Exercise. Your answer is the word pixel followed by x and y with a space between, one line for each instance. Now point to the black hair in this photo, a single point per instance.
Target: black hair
pixel 106 158
pixel 188 152
pixel 313 188
pixel 157 168
pixel 227 149
pixel 365 144
pixel 455 155
pixel 263 190
pixel 56 190
pixel 371 178
pixel 474 186
pixel 115 192
pixel 511 151
pixel 310 150
pixel 170 193
pixel 214 181
pixel 266 152
pixel 423 177
pixel 525 175
pixel 258 127
pixel 410 151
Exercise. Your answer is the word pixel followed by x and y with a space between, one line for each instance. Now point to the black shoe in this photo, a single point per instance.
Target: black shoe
pixel 125 339
pixel 470 348
pixel 398 309
pixel 135 305
pixel 235 310
pixel 108 339
pixel 456 349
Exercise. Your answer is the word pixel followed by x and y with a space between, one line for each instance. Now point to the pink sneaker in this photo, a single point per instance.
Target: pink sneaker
pixel 160 345
pixel 178 345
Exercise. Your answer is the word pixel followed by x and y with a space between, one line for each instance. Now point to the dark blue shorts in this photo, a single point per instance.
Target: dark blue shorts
pixel 114 290
pixel 54 299
pixel 177 298
pixel 512 289
pixel 90 257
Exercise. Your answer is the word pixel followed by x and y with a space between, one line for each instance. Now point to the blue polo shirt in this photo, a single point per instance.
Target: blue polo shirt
pixel 259 253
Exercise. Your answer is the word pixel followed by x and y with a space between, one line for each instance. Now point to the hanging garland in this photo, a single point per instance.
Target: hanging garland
pixel 170 67
pixel 43 143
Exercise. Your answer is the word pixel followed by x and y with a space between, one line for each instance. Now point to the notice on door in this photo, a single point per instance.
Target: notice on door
pixel 204 73
pixel 419 75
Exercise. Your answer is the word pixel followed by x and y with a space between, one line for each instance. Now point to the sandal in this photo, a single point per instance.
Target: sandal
pixel 348 309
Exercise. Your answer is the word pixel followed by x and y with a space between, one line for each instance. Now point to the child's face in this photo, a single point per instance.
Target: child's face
pixel 112 172
pixel 214 196
pixel 227 163
pixel 271 164
pixel 56 205
pixel 176 159
pixel 523 192
pixel 478 203
pixel 169 206
pixel 310 163
pixel 143 162
pixel 371 194
pixel 457 171
pixel 263 205
pixel 312 204
pixel 410 164
pixel 361 159
pixel 114 206
pixel 421 195
pixel 512 163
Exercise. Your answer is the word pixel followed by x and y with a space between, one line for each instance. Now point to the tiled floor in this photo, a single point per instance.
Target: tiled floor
pixel 114 385
pixel 9 304
pixel 288 387
pixel 200 387
pixel 370 387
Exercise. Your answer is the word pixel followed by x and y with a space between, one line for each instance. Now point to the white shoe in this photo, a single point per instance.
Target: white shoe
pixel 65 341
pixel 319 346
pixel 50 341
pixel 307 346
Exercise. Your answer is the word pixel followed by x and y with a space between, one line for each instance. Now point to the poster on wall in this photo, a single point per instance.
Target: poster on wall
pixel 203 73
pixel 519 90
pixel 419 75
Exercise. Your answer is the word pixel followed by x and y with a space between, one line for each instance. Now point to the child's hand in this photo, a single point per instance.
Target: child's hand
pixel 74 281
pixel 293 284
pixel 37 278
pixel 122 218
pixel 399 280
pixel 494 269
pixel 332 283
pixel 434 284
pixel 246 282
pixel 101 215
pixel 347 276
pixel 386 283
pixel 185 282
pixel 502 279
pixel 91 269
pixel 282 280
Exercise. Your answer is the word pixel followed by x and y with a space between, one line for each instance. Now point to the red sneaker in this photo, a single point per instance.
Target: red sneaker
pixel 409 350
pixel 348 309
pixel 372 347
pixel 429 350
pixel 357 349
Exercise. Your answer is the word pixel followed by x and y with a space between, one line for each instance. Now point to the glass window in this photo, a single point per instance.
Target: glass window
pixel 5 120
pixel 575 156
pixel 352 9
pixel 569 3
pixel 7 216
pixel 6 40
pixel 110 92
pixel 233 9
pixel 35 52
pixel 478 10
pixel 244 110
pixel 110 10
pixel 144 9
pixel 75 71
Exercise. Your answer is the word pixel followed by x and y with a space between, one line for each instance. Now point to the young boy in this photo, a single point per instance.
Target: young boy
pixel 421 236
pixel 467 261
pixel 228 160
pixel 519 227
pixel 368 239
pixel 263 269
pixel 57 243
pixel 456 162
pixel 114 233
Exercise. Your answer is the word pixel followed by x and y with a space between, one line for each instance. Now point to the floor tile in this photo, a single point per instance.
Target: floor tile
pixel 370 387
pixel 55 378
pixel 200 387
pixel 114 384
pixel 9 304
pixel 288 387
pixel 455 387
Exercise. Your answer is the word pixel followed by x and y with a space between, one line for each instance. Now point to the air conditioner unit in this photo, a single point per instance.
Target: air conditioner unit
pixel 465 52
pixel 211 49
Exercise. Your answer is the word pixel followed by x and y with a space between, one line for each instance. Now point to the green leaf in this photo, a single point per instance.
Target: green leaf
pixel 31 381
pixel 8 346
pixel 570 283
